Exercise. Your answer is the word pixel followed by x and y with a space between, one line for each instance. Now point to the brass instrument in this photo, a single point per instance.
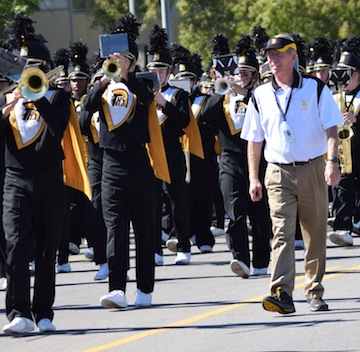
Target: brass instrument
pixel 345 133
pixel 223 85
pixel 111 68
pixel 33 83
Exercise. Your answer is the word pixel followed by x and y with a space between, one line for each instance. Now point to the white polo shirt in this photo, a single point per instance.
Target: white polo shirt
pixel 307 117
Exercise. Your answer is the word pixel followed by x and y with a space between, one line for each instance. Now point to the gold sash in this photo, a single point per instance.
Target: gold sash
pixel 155 147
pixel 74 146
pixel 191 140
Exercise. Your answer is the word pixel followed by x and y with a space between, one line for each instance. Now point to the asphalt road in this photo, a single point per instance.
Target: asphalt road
pixel 201 307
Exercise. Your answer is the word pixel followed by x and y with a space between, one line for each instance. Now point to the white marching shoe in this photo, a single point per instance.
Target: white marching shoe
pixel 114 299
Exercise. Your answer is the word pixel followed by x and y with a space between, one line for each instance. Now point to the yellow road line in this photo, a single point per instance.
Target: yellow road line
pixel 203 316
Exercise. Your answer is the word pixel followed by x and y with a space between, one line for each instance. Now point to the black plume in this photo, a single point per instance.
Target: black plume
pixel 337 46
pixel 219 45
pixel 20 31
pixel 352 44
pixel 62 57
pixel 78 52
pixel 158 40
pixel 178 53
pixel 129 25
pixel 300 44
pixel 96 63
pixel 196 60
pixel 243 45
pixel 321 46
pixel 259 37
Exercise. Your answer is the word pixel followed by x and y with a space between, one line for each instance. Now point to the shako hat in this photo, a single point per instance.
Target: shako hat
pixel 323 53
pixel 78 68
pixel 246 56
pixel 159 55
pixel 22 38
pixel 350 54
pixel 62 57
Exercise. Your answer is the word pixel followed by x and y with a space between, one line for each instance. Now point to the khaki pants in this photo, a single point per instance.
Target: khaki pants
pixel 299 190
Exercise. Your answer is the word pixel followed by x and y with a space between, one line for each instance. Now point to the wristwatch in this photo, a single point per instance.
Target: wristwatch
pixel 334 160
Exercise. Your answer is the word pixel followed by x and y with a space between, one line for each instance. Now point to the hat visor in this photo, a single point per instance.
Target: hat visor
pixel 78 75
pixel 157 64
pixel 282 49
pixel 185 75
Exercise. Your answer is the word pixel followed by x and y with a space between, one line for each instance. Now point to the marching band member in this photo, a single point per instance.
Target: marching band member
pixel 34 193
pixel 173 115
pixel 200 193
pixel 346 194
pixel 128 182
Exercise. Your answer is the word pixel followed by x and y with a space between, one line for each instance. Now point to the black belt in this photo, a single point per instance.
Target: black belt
pixel 299 163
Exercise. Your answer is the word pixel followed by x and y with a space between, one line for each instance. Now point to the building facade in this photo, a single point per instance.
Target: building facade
pixel 65 21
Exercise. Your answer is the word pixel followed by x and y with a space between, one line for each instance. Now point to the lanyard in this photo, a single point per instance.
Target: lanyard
pixel 283 114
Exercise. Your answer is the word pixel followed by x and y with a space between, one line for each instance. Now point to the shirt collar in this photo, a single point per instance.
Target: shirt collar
pixel 297 83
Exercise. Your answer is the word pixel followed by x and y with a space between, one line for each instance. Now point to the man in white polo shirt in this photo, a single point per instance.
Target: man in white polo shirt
pixel 297 118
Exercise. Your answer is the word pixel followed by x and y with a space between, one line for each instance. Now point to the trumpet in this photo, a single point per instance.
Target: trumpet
pixel 33 83
pixel 111 68
pixel 223 85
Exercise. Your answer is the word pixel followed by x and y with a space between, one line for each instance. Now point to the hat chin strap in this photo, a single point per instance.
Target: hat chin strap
pixel 252 81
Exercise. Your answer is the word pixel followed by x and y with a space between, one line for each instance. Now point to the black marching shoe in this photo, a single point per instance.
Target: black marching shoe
pixel 279 302
pixel 317 304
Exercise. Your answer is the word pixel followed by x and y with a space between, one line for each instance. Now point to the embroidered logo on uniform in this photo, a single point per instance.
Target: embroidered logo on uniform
pixel 304 104
pixel 30 112
pixel 120 98
pixel 240 107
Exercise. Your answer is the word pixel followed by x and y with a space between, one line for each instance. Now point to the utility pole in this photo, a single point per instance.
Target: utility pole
pixel 132 7
pixel 71 20
pixel 165 18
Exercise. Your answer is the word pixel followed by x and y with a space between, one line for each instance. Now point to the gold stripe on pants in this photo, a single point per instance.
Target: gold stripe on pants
pixel 298 190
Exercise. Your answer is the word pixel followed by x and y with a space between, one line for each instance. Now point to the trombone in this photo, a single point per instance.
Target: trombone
pixel 33 83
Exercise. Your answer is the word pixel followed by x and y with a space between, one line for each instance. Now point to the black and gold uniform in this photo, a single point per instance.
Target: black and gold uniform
pixel 233 170
pixel 346 194
pixel 90 127
pixel 128 181
pixel 34 196
pixel 202 170
pixel 173 116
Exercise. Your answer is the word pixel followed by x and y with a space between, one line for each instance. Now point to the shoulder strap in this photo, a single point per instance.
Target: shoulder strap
pixel 320 87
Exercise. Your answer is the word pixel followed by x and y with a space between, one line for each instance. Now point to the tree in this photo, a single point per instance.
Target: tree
pixel 202 19
pixel 309 18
